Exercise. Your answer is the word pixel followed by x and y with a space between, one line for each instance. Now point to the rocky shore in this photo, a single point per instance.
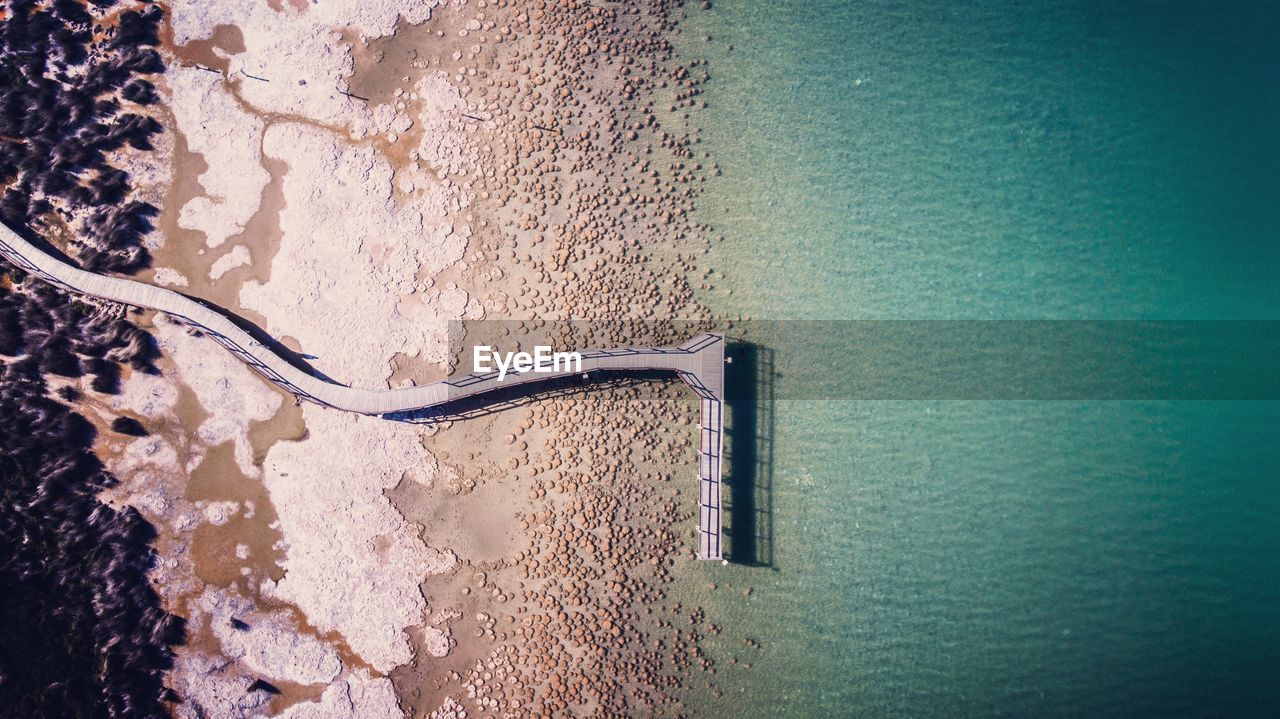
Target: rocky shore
pixel 355 176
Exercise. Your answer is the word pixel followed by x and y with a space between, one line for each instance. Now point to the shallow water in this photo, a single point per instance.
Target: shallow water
pixel 1052 160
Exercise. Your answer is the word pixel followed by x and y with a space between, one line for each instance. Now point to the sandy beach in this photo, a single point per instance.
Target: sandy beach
pixel 353 177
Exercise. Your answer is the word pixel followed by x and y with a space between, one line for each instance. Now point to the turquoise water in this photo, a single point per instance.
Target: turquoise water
pixel 975 160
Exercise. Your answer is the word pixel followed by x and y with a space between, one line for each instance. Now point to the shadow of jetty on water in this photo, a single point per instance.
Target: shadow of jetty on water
pixel 749 428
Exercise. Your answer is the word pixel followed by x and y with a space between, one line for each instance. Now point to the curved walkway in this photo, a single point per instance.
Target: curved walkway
pixel 699 362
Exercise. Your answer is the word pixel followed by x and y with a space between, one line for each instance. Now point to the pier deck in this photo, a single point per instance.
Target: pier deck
pixel 699 362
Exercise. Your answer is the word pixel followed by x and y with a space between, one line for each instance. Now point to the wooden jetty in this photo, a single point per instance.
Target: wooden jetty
pixel 699 362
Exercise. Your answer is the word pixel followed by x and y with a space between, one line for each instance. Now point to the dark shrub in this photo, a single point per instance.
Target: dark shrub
pixel 129 426
pixel 82 632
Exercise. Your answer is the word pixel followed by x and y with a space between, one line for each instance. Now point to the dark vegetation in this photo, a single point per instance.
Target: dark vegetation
pixel 82 632
pixel 65 80
pixel 129 426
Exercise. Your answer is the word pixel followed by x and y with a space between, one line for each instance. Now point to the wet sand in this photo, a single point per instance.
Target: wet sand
pixel 565 516
pixel 184 250
pixel 581 170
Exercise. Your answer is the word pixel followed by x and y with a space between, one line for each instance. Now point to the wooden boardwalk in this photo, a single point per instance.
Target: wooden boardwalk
pixel 699 362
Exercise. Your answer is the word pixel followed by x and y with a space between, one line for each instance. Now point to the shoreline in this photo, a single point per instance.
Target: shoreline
pixel 539 164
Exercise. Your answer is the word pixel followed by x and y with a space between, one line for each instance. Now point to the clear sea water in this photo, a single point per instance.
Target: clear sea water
pixel 980 160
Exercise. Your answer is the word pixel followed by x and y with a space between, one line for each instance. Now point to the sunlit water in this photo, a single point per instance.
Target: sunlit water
pixel 974 160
